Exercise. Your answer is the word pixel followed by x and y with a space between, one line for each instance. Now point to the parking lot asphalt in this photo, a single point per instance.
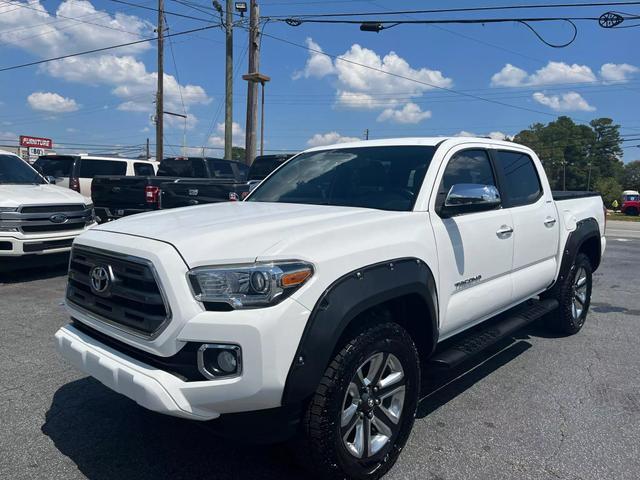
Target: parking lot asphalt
pixel 534 407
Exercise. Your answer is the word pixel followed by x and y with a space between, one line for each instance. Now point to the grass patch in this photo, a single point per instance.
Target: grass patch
pixel 622 217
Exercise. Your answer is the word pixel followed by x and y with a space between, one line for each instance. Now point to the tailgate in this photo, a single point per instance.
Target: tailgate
pixel 119 192
pixel 185 193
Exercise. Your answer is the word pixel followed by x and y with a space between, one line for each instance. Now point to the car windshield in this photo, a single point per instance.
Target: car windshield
pixel 385 178
pixel 15 170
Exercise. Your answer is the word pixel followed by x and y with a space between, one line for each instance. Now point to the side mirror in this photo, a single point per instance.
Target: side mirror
pixel 50 179
pixel 470 197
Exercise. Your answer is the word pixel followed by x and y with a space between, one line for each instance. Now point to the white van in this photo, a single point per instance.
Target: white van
pixel 35 217
pixel 77 171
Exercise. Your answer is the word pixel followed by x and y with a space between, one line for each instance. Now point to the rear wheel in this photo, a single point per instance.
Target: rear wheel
pixel 363 410
pixel 574 295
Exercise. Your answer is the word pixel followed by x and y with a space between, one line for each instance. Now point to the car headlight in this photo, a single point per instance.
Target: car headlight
pixel 249 286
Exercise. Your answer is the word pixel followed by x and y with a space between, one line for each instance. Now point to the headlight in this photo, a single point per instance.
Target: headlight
pixel 249 286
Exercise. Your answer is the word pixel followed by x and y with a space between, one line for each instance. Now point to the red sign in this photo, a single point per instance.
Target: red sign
pixel 35 142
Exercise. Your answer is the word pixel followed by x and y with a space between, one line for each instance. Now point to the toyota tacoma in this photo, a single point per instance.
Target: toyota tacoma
pixel 316 304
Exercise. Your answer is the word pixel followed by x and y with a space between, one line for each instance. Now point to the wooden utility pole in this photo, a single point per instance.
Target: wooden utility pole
pixel 148 155
pixel 228 109
pixel 252 87
pixel 160 91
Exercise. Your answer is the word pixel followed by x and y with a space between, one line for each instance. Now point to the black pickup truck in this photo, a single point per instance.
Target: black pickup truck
pixel 179 182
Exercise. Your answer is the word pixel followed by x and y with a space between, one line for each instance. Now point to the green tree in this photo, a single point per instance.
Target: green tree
pixel 631 176
pixel 610 190
pixel 238 153
pixel 576 156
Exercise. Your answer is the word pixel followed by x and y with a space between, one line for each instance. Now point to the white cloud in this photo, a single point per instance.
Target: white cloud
pixel 131 82
pixel 237 132
pixel 330 138
pixel 552 73
pixel 410 113
pixel 51 102
pixel 570 101
pixel 366 80
pixel 318 65
pixel 45 34
pixel 620 73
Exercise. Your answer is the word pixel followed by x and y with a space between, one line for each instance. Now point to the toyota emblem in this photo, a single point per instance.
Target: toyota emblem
pixel 100 278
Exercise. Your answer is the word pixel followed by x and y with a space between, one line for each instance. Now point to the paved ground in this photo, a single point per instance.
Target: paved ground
pixel 537 407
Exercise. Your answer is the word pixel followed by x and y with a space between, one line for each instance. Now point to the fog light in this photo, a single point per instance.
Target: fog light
pixel 219 360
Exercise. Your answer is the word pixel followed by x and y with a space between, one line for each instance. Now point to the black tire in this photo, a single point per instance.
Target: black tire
pixel 568 319
pixel 323 450
pixel 632 211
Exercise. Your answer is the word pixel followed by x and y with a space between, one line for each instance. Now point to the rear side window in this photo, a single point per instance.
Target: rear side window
pixel 143 169
pixel 91 168
pixel 468 166
pixel 54 166
pixel 190 168
pixel 522 185
pixel 220 169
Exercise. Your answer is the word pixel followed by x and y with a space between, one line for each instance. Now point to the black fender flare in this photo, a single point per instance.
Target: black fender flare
pixel 585 230
pixel 342 302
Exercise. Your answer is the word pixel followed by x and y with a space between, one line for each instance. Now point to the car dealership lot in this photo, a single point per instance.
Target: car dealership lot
pixel 537 407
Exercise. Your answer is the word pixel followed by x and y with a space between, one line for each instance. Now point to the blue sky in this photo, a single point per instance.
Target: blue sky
pixel 108 98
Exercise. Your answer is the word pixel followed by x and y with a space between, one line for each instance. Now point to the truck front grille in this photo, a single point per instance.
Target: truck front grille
pixel 118 289
pixel 47 218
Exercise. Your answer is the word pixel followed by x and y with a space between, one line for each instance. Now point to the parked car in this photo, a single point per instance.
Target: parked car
pixel 313 307
pixel 263 165
pixel 36 217
pixel 179 182
pixel 77 171
pixel 631 205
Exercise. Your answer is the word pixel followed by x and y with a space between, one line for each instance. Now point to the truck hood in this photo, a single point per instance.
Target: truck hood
pixel 15 195
pixel 240 232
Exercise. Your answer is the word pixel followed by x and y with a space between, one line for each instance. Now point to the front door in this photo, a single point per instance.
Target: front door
pixel 475 250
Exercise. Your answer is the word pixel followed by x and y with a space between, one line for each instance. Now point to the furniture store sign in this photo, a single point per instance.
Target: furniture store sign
pixel 36 142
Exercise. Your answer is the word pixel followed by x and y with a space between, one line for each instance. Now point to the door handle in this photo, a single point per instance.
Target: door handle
pixel 550 222
pixel 504 231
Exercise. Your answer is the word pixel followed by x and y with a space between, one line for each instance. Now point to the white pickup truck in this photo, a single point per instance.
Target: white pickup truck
pixel 313 307
pixel 35 217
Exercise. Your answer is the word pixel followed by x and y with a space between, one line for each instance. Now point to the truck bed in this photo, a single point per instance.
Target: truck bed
pixel 559 195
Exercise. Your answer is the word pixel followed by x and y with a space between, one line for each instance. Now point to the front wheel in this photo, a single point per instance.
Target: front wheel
pixel 574 296
pixel 361 414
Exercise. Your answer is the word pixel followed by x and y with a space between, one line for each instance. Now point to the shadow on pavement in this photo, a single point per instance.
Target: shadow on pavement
pixel 35 267
pixel 110 437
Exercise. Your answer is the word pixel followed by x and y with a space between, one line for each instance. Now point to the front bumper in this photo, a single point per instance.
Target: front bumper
pixel 268 338
pixel 11 246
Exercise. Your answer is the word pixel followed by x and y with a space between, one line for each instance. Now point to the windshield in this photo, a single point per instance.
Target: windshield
pixel 55 166
pixel 15 170
pixel 385 178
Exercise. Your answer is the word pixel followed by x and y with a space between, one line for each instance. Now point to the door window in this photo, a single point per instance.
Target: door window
pixel 468 166
pixel 91 168
pixel 143 169
pixel 521 182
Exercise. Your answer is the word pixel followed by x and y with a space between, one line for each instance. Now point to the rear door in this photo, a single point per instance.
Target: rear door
pixel 89 168
pixel 475 250
pixel 535 223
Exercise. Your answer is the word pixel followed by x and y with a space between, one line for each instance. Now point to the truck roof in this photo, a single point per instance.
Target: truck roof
pixel 414 141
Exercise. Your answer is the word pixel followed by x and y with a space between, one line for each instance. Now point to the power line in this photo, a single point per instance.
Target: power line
pixel 155 10
pixel 111 47
pixel 403 77
pixel 462 9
